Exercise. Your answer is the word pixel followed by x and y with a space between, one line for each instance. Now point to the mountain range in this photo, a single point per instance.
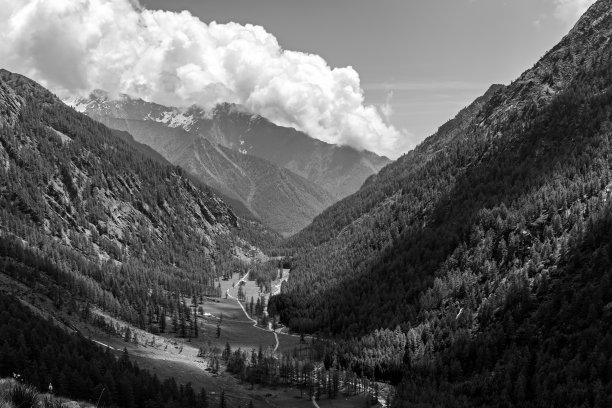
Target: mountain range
pixel 283 176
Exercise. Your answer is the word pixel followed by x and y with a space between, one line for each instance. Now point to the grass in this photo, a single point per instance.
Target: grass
pixel 50 402
pixel 18 395
pixel 175 357
pixel 14 394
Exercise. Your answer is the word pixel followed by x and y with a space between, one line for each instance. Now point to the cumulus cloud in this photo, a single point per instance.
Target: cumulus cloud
pixel 569 11
pixel 75 46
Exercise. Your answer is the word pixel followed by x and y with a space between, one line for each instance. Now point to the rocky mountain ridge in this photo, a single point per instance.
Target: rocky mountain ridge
pixel 338 169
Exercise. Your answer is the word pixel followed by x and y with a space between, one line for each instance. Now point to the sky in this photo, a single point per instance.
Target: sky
pixel 376 75
pixel 431 57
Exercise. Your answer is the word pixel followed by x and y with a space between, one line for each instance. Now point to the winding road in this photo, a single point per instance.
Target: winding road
pixel 227 292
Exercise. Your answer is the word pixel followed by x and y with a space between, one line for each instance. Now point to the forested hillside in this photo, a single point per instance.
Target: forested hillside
pixel 42 354
pixel 92 217
pixel 482 245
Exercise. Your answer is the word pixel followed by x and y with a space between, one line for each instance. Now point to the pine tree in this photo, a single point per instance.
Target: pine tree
pixel 128 335
pixel 222 403
pixel 258 307
pixel 202 401
pixel 162 321
pixel 175 322
pixel 183 327
pixel 227 352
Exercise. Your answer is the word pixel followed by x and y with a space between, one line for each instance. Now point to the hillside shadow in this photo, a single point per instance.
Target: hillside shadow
pixel 561 148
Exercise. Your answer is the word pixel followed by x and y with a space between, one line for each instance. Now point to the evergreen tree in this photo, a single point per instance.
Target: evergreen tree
pixel 202 401
pixel 222 403
pixel 127 337
pixel 227 352
pixel 162 321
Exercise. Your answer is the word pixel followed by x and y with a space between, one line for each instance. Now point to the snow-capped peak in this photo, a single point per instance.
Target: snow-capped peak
pixel 174 118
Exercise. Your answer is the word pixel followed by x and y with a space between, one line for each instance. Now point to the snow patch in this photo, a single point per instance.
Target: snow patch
pixel 174 119
pixel 76 103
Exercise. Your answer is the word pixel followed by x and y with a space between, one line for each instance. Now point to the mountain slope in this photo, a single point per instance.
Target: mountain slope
pixel 476 229
pixel 101 220
pixel 282 200
pixel 340 170
pixel 43 353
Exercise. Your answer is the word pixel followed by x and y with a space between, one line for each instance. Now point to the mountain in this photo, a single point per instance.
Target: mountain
pixel 238 206
pixel 281 199
pixel 85 214
pixel 484 254
pixel 340 170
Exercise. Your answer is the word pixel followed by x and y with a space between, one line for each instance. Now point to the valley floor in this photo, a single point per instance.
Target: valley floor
pixel 169 356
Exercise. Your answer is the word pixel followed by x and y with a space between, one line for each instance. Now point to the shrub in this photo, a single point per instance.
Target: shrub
pixel 50 402
pixel 23 396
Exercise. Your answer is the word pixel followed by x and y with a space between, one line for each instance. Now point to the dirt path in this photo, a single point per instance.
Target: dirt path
pixel 227 292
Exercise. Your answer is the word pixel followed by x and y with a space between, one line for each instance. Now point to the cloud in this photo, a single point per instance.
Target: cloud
pixel 74 46
pixel 387 108
pixel 569 11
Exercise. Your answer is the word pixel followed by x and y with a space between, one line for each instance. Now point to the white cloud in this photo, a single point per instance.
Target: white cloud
pixel 387 108
pixel 569 11
pixel 74 46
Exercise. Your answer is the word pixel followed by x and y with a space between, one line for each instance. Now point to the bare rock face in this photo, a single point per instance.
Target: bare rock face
pixel 10 105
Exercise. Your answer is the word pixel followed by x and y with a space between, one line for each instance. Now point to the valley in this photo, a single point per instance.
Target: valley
pixel 136 255
pixel 213 236
pixel 168 356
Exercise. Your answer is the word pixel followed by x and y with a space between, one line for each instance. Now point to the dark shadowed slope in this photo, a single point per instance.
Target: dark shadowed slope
pixel 465 241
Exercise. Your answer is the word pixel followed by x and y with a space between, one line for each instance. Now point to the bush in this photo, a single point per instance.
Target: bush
pixel 50 402
pixel 23 396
